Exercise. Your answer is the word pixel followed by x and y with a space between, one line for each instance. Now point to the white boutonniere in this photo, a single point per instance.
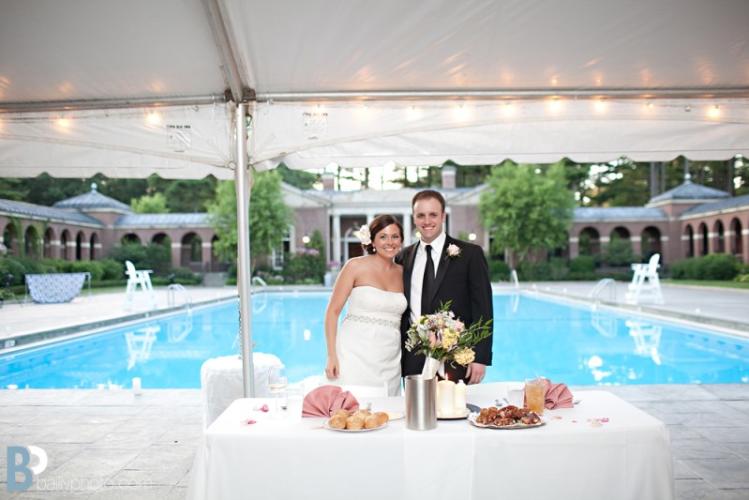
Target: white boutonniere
pixel 453 251
pixel 364 236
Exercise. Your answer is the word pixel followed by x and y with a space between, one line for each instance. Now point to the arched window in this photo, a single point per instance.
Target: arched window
pixel 79 239
pixel 590 241
pixel 737 247
pixel 689 238
pixel 10 238
pixel 720 237
pixel 703 237
pixel 64 245
pixel 130 239
pixel 651 242
pixel 49 237
pixel 192 251
pixel 31 243
pixel 93 242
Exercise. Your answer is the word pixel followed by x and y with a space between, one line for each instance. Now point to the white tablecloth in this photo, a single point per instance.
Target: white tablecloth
pixel 627 457
pixel 221 381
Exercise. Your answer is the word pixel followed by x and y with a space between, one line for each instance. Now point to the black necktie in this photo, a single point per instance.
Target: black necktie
pixel 427 286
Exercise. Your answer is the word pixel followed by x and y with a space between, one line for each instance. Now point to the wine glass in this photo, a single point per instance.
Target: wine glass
pixel 277 383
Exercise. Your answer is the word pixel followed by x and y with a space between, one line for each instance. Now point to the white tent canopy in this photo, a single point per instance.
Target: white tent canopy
pixel 361 83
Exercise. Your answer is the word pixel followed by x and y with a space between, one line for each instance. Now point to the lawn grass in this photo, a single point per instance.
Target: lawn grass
pixel 720 284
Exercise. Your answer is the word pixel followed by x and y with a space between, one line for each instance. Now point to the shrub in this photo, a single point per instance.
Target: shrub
pixel 583 264
pixel 185 276
pixel 707 267
pixel 499 270
pixel 619 252
pixel 152 256
pixel 11 265
pixel 534 271
pixel 558 269
pixel 113 270
pixel 304 267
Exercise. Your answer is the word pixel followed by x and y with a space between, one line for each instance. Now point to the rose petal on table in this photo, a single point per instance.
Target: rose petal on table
pixel 250 422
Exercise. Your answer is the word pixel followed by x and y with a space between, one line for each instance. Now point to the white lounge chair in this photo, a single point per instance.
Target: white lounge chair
pixel 645 285
pixel 138 278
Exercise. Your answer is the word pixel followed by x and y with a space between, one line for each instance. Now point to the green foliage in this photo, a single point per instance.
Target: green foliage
pixel 583 264
pixel 499 270
pixel 298 178
pixel 708 267
pixel 307 266
pixel 149 204
pixel 269 216
pixel 525 209
pixel 99 269
pixel 185 196
pixel 619 252
pixel 112 270
pixel 185 276
pixel 153 256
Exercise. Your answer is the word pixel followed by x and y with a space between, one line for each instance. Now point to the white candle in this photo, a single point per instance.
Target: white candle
pixel 137 390
pixel 459 398
pixel 445 397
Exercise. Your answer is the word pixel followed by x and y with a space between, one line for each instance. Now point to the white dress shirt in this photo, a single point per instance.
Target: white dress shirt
pixel 417 275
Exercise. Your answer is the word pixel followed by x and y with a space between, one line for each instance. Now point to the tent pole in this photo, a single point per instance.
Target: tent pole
pixel 242 186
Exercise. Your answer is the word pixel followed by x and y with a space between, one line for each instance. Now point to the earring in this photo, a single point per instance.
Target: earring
pixel 374 250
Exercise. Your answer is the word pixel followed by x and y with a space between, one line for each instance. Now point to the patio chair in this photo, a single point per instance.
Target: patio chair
pixel 138 278
pixel 645 285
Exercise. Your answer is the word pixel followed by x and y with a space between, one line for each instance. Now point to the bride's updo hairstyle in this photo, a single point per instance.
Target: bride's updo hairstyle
pixel 378 224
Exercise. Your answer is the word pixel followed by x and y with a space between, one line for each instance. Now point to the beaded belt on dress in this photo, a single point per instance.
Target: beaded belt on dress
pixel 373 321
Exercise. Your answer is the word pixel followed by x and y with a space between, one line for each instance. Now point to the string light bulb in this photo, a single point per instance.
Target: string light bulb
pixel 600 105
pixel 153 118
pixel 714 111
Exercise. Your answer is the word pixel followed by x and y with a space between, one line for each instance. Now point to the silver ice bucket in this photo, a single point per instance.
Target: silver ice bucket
pixel 421 404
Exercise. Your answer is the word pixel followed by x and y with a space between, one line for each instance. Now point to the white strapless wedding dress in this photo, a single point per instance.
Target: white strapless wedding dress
pixel 369 339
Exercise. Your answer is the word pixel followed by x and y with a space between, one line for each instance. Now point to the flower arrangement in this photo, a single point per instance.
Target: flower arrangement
pixel 445 338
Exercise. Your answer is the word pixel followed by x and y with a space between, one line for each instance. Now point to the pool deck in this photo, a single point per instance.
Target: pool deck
pixel 721 308
pixel 108 444
pixel 30 322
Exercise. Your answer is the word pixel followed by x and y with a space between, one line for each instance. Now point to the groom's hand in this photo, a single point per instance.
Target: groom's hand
pixel 475 373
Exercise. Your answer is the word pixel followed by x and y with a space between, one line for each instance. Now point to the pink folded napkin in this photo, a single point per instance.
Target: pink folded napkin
pixel 557 396
pixel 324 400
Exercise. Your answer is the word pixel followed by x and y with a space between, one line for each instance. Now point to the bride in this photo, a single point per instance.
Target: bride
pixel 367 349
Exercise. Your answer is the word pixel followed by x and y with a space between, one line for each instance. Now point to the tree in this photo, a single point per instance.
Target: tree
pixel 269 216
pixel 297 178
pixel 149 204
pixel 189 195
pixel 526 209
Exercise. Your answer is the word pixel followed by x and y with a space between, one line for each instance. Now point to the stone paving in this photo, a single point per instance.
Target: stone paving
pixel 111 444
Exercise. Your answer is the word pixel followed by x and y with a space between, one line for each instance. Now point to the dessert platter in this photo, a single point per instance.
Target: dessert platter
pixel 507 417
pixel 357 421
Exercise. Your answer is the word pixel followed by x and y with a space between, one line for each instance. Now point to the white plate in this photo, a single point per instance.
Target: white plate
pixel 326 425
pixel 472 419
pixel 455 416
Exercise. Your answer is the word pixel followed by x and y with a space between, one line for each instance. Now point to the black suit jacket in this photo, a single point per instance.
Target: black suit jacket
pixel 464 280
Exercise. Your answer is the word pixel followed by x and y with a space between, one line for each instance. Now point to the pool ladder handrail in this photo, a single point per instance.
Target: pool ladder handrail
pixel 257 280
pixel 514 278
pixel 606 284
pixel 175 289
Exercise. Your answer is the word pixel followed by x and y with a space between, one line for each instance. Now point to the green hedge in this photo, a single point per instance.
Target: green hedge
pixel 152 256
pixel 707 267
pixel 104 273
pixel 499 270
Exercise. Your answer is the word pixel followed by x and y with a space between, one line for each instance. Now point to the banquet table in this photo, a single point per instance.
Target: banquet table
pixel 602 448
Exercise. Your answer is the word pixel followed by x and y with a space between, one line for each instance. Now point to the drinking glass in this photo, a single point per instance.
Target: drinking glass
pixel 277 383
pixel 535 395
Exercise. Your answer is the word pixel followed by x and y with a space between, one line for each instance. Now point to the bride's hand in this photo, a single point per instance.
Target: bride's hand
pixel 331 370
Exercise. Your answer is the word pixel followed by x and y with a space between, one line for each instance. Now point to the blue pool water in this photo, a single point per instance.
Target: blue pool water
pixel 531 337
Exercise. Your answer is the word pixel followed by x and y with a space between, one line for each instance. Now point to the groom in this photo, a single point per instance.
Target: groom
pixel 437 269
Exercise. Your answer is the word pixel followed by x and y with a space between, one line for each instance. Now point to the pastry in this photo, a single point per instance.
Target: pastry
pixel 354 423
pixel 372 422
pixel 338 421
pixel 382 417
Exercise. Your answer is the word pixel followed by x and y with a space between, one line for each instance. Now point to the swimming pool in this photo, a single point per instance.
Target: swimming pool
pixel 532 336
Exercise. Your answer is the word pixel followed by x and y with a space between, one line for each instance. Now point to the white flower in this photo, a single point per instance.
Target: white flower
pixel 453 250
pixel 363 234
